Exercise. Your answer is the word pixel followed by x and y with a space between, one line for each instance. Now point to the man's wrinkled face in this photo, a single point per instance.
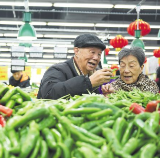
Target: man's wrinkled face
pixel 87 58
pixel 17 75
pixel 130 69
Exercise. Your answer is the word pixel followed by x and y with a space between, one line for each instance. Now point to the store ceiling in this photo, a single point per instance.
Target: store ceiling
pixel 51 35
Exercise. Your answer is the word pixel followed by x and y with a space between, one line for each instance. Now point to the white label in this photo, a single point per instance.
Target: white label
pixel 60 50
pixel 18 62
pixel 17 54
pixel 40 55
pixel 18 49
pixel 60 55
pixel 36 49
pixel 18 68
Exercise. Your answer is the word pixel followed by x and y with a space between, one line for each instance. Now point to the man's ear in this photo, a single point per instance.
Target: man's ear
pixel 76 51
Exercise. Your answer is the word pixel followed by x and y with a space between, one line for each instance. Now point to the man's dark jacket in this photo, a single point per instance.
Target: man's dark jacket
pixel 62 79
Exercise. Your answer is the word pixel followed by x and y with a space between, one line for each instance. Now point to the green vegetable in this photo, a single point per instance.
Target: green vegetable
pixel 8 95
pixel 25 95
pixel 30 140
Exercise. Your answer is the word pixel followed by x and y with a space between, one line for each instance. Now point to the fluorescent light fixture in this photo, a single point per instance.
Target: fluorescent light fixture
pixel 70 51
pixel 38 23
pixel 47 45
pixel 12 44
pixel 83 5
pixel 10 34
pixel 12 3
pixel 148 53
pixel 150 7
pixel 111 25
pixel 5 49
pixel 2 44
pixel 149 38
pixel 1 34
pixel 151 47
pixel 44 60
pixel 113 52
pixel 12 22
pixel 129 37
pixel 124 6
pixel 48 50
pixel 34 44
pixel 5 63
pixel 5 60
pixel 70 24
pixel 48 56
pixel 70 56
pixel 5 55
pixel 155 26
pixel 60 36
pixel 39 35
pixel 67 45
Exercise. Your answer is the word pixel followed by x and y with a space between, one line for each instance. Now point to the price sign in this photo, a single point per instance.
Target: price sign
pixel 36 52
pixel 60 52
pixel 17 65
pixel 18 51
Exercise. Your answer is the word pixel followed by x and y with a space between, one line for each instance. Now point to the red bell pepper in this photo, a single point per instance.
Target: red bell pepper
pixel 151 106
pixel 2 121
pixel 6 110
pixel 136 108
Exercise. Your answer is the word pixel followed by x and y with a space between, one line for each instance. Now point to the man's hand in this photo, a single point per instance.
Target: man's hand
pixel 107 89
pixel 100 77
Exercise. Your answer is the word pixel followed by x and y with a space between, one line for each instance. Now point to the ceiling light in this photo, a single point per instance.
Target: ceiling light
pixel 5 55
pixel 151 47
pixel 155 26
pixel 124 6
pixel 2 44
pixel 26 31
pixel 37 45
pixel 12 44
pixel 149 38
pixel 39 23
pixel 10 35
pixel 48 56
pixel 47 45
pixel 48 50
pixel 70 51
pixel 113 58
pixel 70 24
pixel 12 3
pixel 60 36
pixel 150 7
pixel 12 22
pixel 111 25
pixel 68 45
pixel 5 49
pixel 83 5
pixel 5 60
pixel 149 53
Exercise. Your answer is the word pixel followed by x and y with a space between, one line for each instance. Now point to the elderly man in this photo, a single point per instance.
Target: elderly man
pixel 77 75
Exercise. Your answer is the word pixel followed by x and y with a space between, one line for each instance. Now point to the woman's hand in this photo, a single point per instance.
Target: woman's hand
pixel 107 89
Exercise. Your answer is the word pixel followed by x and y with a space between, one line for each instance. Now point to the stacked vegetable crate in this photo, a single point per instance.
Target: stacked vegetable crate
pixel 88 126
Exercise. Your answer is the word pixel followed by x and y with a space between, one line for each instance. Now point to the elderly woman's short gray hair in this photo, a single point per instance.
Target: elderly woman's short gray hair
pixel 135 51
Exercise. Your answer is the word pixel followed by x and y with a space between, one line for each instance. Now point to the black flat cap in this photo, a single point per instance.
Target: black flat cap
pixel 88 40
pixel 13 71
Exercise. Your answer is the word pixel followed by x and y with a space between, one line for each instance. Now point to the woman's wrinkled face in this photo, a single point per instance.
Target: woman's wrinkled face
pixel 130 69
pixel 87 58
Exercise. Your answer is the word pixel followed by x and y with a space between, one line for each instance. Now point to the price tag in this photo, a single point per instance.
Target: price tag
pixel 60 55
pixel 17 68
pixel 18 62
pixel 36 54
pixel 17 54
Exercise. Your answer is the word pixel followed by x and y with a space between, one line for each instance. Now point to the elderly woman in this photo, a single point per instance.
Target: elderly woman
pixel 131 76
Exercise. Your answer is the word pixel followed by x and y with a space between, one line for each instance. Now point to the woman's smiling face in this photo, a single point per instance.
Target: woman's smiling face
pixel 130 69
